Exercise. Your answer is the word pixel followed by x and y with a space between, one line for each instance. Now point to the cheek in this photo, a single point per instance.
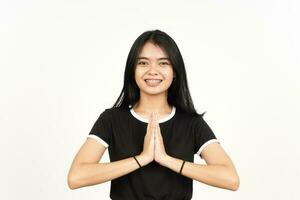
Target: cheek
pixel 168 74
pixel 139 76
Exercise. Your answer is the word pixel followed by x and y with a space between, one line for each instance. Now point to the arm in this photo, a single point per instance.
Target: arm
pixel 86 170
pixel 219 171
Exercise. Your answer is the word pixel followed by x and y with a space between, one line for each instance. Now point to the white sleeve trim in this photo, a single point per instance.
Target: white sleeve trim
pixel 205 144
pixel 98 139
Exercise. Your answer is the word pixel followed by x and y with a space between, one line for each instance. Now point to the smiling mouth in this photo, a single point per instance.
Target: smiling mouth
pixel 153 82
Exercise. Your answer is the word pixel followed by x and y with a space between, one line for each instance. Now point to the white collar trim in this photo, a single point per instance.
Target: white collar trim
pixel 146 120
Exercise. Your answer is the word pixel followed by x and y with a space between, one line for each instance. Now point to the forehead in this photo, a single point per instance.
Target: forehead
pixel 152 51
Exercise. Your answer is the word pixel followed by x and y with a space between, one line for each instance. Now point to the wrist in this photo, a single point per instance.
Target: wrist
pixel 165 160
pixel 142 160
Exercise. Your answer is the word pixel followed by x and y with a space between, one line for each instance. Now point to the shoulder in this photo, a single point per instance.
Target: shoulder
pixel 189 118
pixel 114 112
pixel 199 122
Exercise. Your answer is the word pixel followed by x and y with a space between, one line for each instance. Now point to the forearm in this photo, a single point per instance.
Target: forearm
pixel 214 175
pixel 87 174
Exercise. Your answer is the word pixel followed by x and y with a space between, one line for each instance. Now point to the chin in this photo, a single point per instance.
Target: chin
pixel 154 90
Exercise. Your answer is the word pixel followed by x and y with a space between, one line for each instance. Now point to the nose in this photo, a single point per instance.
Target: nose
pixel 153 69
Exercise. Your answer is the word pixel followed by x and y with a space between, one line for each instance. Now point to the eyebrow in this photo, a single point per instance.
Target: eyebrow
pixel 162 58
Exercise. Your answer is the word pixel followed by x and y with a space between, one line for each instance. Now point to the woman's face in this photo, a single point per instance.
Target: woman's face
pixel 154 72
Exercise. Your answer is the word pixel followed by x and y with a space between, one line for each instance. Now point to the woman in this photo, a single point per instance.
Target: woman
pixel 152 132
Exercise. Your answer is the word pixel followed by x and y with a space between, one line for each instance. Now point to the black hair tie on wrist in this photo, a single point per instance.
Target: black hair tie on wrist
pixel 137 161
pixel 181 167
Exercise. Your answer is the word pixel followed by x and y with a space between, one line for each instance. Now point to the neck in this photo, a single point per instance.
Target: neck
pixel 149 104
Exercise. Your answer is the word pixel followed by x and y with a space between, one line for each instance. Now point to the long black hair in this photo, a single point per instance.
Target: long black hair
pixel 178 92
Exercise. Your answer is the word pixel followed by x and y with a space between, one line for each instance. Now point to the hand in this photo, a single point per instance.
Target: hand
pixel 159 148
pixel 148 148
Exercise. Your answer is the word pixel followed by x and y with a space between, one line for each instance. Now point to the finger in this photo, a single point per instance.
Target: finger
pixel 155 127
pixel 148 125
pixel 156 123
pixel 152 122
pixel 158 133
pixel 158 128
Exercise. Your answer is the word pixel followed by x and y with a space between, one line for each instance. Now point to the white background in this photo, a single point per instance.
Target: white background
pixel 62 64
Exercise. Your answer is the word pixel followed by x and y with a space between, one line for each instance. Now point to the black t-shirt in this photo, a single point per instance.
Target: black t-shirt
pixel 122 130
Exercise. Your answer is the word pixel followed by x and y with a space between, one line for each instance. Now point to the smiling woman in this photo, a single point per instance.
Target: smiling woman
pixel 153 72
pixel 152 132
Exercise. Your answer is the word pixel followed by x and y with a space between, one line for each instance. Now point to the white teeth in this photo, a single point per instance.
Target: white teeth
pixel 153 80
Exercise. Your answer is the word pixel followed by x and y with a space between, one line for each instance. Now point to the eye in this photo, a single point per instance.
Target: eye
pixel 164 63
pixel 141 63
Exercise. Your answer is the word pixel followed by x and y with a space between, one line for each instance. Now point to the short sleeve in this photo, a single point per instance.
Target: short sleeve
pixel 101 129
pixel 203 135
